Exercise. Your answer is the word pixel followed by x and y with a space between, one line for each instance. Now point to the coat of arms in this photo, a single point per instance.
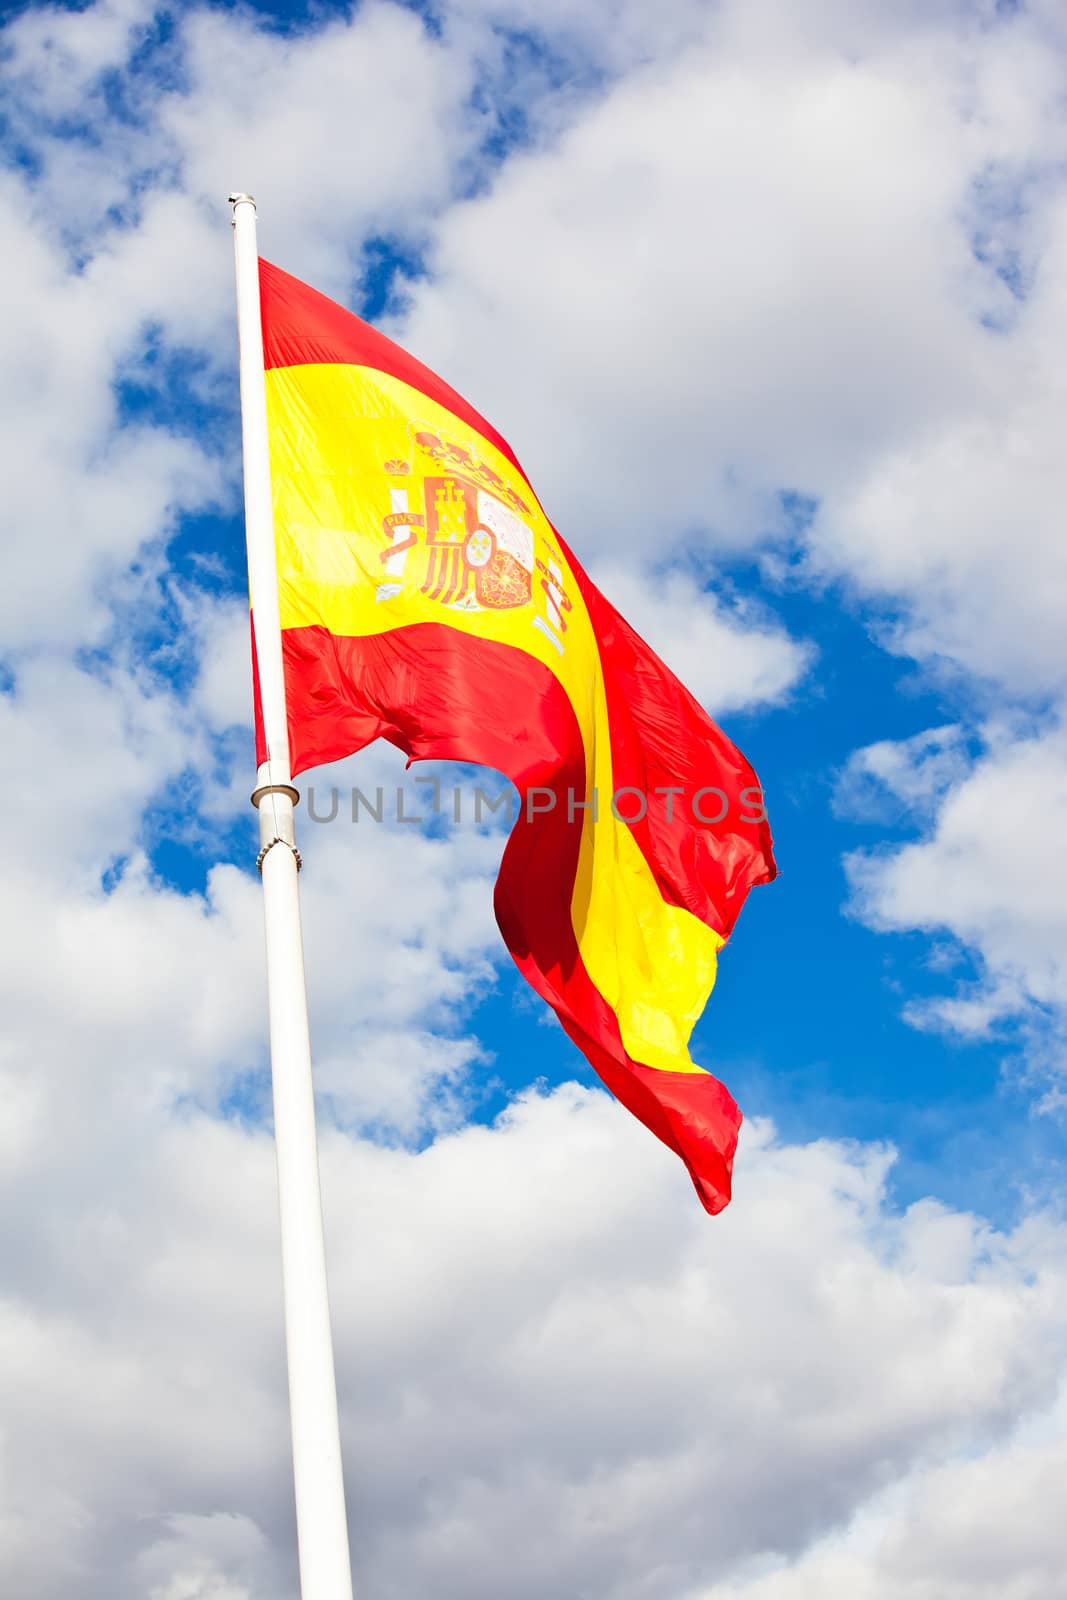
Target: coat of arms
pixel 467 547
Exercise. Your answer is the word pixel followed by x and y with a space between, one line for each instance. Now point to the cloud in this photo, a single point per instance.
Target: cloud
pixel 149 278
pixel 968 1530
pixel 986 871
pixel 554 1375
pixel 815 252
pixel 728 278
pixel 56 58
pixel 902 776
pixel 196 1557
pixel 353 130
pixel 728 655
pixel 83 495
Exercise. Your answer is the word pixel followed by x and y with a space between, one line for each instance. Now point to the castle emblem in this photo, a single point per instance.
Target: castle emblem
pixel 464 548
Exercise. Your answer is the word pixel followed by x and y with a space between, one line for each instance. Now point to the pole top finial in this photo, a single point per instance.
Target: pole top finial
pixel 243 200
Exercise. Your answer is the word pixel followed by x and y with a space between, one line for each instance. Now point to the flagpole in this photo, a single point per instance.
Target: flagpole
pixel 322 1529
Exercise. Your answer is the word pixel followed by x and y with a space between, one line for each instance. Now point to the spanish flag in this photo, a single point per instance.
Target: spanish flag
pixel 426 599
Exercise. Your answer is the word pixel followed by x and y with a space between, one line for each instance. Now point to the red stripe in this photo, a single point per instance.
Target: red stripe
pixel 302 327
pixel 431 584
pixel 439 693
pixel 457 575
pixel 661 736
pixel 451 581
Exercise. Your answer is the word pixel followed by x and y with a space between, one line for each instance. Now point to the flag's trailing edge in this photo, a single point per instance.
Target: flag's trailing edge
pixel 426 599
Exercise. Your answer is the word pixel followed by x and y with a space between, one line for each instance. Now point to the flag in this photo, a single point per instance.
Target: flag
pixel 426 599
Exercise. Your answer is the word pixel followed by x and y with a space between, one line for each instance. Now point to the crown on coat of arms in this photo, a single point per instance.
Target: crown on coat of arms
pixel 397 468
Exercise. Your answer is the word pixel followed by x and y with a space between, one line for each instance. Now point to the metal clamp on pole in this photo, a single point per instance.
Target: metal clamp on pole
pixel 289 845
pixel 274 788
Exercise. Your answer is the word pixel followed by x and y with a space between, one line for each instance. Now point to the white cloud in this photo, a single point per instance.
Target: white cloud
pixel 770 262
pixel 987 871
pixel 246 95
pixel 902 775
pixel 194 1557
pixel 56 57
pixel 752 258
pixel 728 655
pixel 556 1375
pixel 221 629
pixel 82 497
pixel 353 130
pixel 730 277
pixel 979 1529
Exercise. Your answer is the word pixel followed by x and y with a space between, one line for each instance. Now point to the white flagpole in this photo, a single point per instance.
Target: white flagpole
pixel 322 1530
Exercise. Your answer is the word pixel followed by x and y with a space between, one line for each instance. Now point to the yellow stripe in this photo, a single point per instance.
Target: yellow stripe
pixel 340 439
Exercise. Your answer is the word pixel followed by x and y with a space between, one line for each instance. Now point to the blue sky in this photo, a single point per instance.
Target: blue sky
pixel 789 277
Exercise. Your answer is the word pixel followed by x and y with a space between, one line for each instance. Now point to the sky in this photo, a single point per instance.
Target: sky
pixel 768 297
